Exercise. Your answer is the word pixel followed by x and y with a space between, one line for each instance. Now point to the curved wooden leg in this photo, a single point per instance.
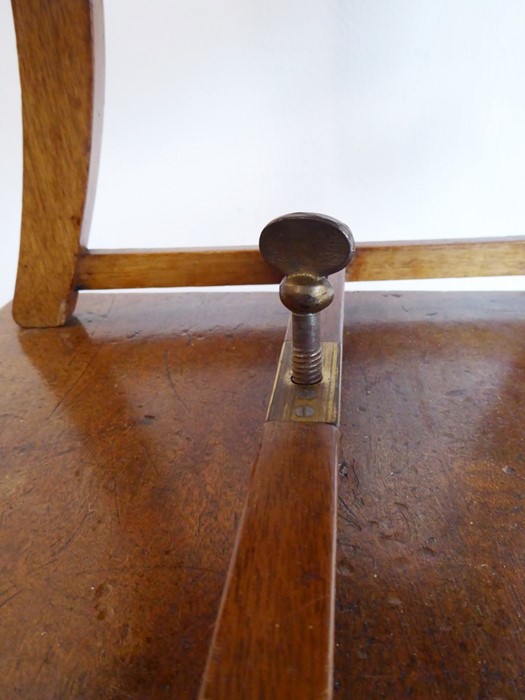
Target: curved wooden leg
pixel 61 55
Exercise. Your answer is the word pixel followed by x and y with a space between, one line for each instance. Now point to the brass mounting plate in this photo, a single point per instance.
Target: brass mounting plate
pixel 315 403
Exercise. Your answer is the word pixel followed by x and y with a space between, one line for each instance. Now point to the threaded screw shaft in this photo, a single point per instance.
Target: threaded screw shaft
pixel 307 354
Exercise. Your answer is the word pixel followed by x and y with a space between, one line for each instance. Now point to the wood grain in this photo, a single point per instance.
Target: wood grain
pixel 126 442
pixel 60 55
pixel 185 267
pixel 274 635
pixel 114 269
pixel 439 259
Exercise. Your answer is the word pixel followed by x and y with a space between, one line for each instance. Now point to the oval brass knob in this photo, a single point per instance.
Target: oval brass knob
pixel 306 248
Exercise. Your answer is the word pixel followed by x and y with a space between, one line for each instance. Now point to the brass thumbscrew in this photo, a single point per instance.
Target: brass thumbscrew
pixel 306 248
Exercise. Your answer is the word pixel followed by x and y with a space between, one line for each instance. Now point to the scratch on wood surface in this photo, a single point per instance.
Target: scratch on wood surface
pixel 117 502
pixel 348 514
pixel 171 382
pixel 6 590
pixel 113 482
pixel 310 604
pixel 140 567
pixel 10 598
pixel 75 382
pixel 121 693
pixel 72 535
pixel 37 673
pixel 150 461
pixel 425 412
pixel 55 552
pixel 102 316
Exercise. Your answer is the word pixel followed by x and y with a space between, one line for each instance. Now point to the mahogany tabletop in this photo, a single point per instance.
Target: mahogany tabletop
pixel 126 442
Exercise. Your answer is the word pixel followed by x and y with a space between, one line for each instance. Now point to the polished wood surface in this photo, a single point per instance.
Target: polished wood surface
pixel 60 55
pixel 274 636
pixel 123 475
pixel 126 442
pixel 431 567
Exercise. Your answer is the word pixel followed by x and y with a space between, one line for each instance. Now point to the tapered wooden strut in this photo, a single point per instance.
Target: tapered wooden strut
pixel 60 55
pixel 274 633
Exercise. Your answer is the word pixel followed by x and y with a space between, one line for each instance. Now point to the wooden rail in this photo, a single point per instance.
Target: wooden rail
pixel 489 257
pixel 127 269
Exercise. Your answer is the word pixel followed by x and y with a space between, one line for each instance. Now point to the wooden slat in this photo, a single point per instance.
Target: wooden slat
pixel 274 631
pixel 185 267
pixel 121 269
pixel 274 637
pixel 439 259
pixel 60 54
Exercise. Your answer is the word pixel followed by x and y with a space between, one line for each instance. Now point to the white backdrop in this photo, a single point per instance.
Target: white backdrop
pixel 404 119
